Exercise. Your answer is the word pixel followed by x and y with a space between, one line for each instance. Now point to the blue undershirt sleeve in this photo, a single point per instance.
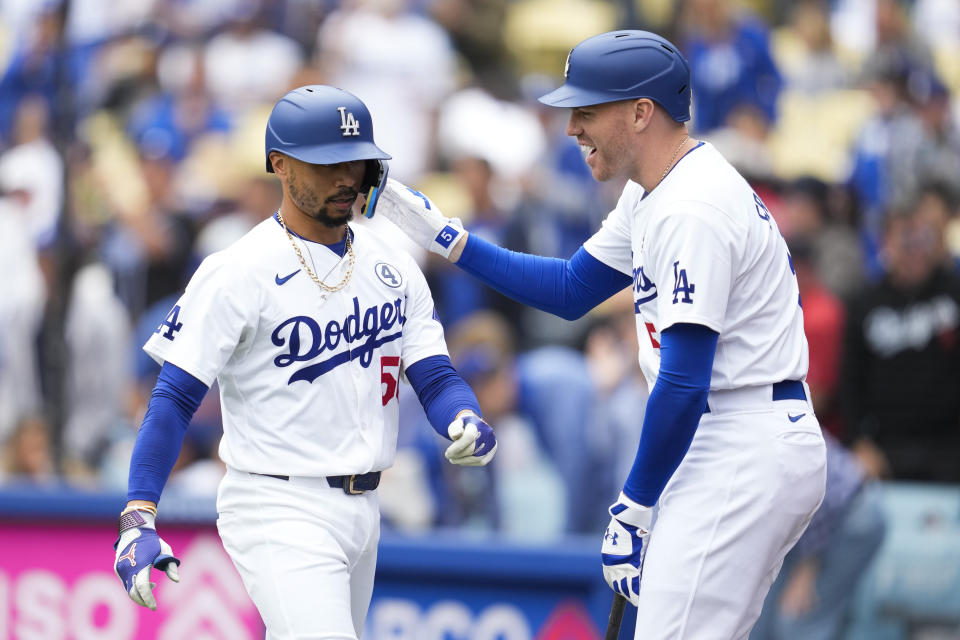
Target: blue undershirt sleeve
pixel 174 400
pixel 565 288
pixel 677 401
pixel 442 392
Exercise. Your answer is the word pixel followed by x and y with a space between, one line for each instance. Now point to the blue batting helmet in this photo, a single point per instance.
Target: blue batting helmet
pixel 621 65
pixel 325 125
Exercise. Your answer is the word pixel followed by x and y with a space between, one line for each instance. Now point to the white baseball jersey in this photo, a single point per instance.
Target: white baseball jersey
pixel 308 382
pixel 702 248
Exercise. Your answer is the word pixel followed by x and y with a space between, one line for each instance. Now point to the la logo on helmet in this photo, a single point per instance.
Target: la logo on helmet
pixel 566 67
pixel 348 124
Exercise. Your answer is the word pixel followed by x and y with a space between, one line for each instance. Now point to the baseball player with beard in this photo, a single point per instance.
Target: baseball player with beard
pixel 730 450
pixel 307 324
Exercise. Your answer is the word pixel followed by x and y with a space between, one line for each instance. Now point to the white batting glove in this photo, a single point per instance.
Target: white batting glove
pixel 137 550
pixel 625 545
pixel 474 443
pixel 419 218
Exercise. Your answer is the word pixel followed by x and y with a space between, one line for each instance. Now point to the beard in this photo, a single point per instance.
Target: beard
pixel 311 205
pixel 331 220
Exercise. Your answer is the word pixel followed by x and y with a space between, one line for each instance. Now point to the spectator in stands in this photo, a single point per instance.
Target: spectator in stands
pixel 170 121
pixel 458 295
pixel 96 370
pixel 731 64
pixel 404 69
pixel 31 69
pixel 27 454
pixel 148 246
pixel 22 301
pixel 937 205
pixel 812 64
pixel 912 138
pixel 246 65
pixel 901 365
pixel 806 213
pixel 812 595
pixel 33 167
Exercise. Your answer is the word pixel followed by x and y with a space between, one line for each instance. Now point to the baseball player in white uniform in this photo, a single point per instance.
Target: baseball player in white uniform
pixel 730 451
pixel 307 324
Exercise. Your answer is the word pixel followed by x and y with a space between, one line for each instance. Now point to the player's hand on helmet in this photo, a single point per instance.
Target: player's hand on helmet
pixel 419 218
pixel 625 545
pixel 138 549
pixel 474 443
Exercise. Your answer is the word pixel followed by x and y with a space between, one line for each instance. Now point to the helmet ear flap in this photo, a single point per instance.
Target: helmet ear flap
pixel 372 174
pixel 373 182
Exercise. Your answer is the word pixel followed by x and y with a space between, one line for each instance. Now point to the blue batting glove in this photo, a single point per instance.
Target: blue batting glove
pixel 138 549
pixel 474 443
pixel 625 545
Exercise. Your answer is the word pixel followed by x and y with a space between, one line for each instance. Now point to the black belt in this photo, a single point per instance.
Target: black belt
pixel 353 484
pixel 784 390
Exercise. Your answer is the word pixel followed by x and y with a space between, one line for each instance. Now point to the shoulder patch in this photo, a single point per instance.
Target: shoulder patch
pixel 388 274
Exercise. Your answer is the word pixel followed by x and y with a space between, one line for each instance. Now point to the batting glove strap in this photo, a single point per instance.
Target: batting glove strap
pixel 132 519
pixel 419 218
pixel 474 442
pixel 629 512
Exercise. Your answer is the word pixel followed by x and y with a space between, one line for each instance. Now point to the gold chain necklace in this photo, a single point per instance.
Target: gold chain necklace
pixel 670 164
pixel 348 250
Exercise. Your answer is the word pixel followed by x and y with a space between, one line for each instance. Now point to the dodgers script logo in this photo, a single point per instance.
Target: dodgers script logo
pixel 305 339
pixel 643 287
pixel 348 124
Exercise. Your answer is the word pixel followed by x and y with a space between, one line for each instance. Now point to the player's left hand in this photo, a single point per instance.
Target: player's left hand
pixel 625 545
pixel 474 443
pixel 137 550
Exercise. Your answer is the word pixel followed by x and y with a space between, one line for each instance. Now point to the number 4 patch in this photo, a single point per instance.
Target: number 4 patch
pixel 681 285
pixel 171 323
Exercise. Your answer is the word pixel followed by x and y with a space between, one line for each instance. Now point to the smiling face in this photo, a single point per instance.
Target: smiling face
pixel 323 192
pixel 603 133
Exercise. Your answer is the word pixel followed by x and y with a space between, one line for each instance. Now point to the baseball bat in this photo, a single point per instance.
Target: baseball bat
pixel 616 617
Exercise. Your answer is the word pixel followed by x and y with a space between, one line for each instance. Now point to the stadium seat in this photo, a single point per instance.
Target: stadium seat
pixel 914 582
pixel 814 133
pixel 540 33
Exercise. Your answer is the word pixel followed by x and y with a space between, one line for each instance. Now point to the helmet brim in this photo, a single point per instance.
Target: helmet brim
pixel 570 96
pixel 336 153
pixel 333 153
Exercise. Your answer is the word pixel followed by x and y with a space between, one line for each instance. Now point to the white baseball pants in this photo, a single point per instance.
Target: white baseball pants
pixel 306 552
pixel 746 490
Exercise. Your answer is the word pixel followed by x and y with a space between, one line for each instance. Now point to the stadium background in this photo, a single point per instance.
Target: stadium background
pixel 131 146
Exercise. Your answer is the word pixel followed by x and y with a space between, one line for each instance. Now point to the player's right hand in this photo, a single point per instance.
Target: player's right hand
pixel 474 443
pixel 625 545
pixel 137 550
pixel 419 218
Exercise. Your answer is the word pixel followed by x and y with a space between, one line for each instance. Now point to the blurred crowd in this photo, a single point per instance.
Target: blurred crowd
pixel 131 146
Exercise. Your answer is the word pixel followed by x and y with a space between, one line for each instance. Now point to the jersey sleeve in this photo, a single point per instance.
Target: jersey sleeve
pixel 422 331
pixel 611 243
pixel 209 321
pixel 693 257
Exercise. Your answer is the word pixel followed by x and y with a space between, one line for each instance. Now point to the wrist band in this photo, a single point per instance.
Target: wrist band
pixel 140 507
